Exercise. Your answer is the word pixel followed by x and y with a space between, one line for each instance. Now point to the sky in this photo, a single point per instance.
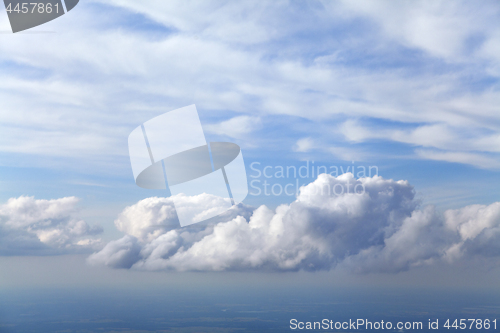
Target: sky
pixel 406 89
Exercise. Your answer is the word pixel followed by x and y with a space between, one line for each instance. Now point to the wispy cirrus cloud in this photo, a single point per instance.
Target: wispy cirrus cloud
pixel 431 66
pixel 236 127
pixel 439 142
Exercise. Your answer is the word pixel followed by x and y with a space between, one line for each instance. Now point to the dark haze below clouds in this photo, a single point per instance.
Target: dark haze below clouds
pixel 228 310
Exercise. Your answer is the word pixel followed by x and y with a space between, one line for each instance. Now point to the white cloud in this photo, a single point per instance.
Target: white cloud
pixel 148 219
pixel 440 28
pixel 450 145
pixel 236 127
pixel 472 220
pixel 121 253
pixel 91 85
pixel 304 145
pixel 439 136
pixel 381 229
pixel 84 84
pixel 477 160
pixel 41 227
pixel 354 132
pixel 418 240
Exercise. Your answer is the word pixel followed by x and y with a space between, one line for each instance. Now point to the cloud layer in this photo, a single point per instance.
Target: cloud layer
pixel 432 68
pixel 44 227
pixel 374 225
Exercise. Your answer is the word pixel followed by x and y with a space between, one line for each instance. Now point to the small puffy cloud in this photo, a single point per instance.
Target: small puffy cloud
pixel 367 225
pixel 43 227
pixel 354 132
pixel 236 127
pixel 304 145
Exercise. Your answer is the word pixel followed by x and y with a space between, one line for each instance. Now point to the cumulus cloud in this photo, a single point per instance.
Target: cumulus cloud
pixel 367 225
pixel 42 227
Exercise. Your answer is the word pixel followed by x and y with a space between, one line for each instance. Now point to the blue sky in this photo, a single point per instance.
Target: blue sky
pixel 409 87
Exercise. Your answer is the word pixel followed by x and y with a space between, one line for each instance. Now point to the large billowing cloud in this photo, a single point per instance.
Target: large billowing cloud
pixel 369 224
pixel 44 227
